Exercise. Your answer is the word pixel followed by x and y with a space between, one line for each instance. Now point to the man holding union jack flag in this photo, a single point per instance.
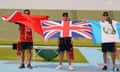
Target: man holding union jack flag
pixel 64 30
pixel 65 44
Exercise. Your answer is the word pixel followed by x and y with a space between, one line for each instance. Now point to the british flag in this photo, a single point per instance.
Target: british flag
pixel 56 29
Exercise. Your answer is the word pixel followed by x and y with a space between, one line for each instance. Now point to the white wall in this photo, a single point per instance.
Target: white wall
pixel 62 4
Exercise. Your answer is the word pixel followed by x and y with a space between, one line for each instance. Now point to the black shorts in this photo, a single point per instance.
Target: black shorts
pixel 25 45
pixel 65 44
pixel 108 47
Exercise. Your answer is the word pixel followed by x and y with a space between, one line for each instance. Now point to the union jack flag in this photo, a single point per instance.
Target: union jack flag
pixel 56 29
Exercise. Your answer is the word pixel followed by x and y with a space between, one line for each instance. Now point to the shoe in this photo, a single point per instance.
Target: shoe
pixel 59 67
pixel 22 66
pixel 104 68
pixel 29 66
pixel 115 69
pixel 70 68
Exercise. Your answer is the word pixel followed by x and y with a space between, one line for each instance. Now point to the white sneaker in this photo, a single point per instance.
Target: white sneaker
pixel 70 68
pixel 59 67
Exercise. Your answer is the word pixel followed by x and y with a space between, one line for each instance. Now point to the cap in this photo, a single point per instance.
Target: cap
pixel 105 13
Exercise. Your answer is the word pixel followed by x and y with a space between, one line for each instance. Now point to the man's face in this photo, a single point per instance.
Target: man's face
pixel 105 17
pixel 27 12
pixel 65 17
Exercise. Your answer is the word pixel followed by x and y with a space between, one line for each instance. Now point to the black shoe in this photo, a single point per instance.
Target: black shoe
pixel 29 66
pixel 115 69
pixel 104 68
pixel 22 66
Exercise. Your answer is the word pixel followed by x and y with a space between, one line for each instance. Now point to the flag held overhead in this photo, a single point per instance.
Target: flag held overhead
pixel 56 29
pixel 32 21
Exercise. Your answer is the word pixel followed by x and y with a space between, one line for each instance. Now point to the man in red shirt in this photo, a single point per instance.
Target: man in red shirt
pixel 25 42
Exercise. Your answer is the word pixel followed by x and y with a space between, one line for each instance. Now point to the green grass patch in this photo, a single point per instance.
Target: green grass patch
pixel 10 54
pixel 54 42
pixel 81 42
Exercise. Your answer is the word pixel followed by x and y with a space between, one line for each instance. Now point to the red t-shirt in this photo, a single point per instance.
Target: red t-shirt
pixel 25 34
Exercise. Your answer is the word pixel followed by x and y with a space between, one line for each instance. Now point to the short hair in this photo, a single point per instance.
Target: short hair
pixel 65 14
pixel 105 13
pixel 27 10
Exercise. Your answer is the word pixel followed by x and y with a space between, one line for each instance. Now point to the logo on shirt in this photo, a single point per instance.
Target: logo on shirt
pixel 28 29
pixel 108 30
